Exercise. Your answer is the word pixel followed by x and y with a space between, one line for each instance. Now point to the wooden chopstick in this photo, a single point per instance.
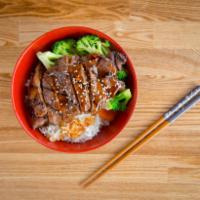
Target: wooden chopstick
pixel 184 104
pixel 114 162
pixel 107 165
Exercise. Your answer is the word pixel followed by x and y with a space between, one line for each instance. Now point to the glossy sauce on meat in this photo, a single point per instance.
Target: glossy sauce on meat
pixel 76 84
pixel 80 82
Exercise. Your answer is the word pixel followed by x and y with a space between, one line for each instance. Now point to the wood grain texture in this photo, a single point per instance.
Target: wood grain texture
pixel 163 40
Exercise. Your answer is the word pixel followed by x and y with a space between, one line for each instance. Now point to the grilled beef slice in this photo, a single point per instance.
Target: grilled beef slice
pixel 38 122
pixel 118 59
pixel 35 99
pixel 59 95
pixel 102 81
pixel 105 67
pixel 80 82
pixel 66 61
pixel 94 87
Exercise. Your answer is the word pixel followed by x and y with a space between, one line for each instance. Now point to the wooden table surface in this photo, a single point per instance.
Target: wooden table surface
pixel 163 40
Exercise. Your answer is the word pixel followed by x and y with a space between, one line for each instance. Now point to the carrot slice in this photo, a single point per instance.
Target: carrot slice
pixel 107 114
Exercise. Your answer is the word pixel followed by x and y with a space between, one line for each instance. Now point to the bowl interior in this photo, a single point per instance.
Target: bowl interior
pixel 25 65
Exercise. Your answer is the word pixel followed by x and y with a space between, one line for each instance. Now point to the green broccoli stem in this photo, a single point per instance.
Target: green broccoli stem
pixel 47 58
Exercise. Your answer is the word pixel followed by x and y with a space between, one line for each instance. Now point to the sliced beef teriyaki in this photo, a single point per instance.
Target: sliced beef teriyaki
pixel 66 61
pixel 112 85
pixel 103 83
pixel 118 59
pixel 65 91
pixel 35 99
pixel 54 116
pixel 49 91
pixel 105 67
pixel 59 95
pixel 95 87
pixel 38 122
pixel 80 82
pixel 76 84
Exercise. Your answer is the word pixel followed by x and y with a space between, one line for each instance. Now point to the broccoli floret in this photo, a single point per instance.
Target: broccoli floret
pixel 122 74
pixel 93 45
pixel 64 47
pixel 119 102
pixel 47 58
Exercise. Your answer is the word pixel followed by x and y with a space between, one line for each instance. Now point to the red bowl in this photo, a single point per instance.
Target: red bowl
pixel 22 70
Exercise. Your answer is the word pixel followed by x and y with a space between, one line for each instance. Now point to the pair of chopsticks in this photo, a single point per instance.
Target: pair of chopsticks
pixel 192 98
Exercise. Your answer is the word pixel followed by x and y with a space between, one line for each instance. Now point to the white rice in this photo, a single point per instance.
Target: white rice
pixel 53 131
